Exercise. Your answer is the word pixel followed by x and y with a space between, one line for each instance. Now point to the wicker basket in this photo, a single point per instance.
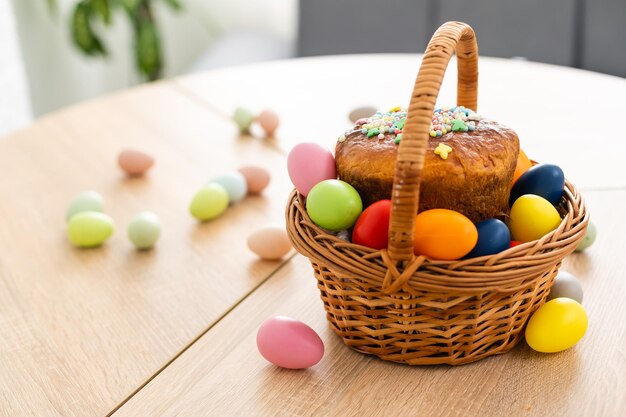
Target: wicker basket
pixel 409 309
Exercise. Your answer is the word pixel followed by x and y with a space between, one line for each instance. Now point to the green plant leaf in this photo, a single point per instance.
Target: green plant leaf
pixel 103 9
pixel 131 6
pixel 174 4
pixel 148 50
pixel 82 32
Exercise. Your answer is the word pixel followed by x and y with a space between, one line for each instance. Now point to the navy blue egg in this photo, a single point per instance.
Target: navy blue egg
pixel 493 237
pixel 544 180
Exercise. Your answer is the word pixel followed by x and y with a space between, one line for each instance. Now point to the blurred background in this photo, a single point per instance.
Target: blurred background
pixel 57 52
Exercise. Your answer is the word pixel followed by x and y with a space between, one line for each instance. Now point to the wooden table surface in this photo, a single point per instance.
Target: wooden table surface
pixel 113 331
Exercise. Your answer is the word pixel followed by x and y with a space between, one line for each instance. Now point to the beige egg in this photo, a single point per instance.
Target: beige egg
pixel 269 242
pixel 268 121
pixel 257 178
pixel 134 162
pixel 361 112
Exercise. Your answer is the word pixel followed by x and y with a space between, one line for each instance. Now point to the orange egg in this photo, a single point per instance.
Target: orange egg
pixel 523 165
pixel 443 234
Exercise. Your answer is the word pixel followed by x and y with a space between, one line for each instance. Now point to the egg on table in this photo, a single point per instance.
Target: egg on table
pixel 269 242
pixel 269 122
pixel 309 164
pixel 234 183
pixel 210 202
pixel 257 178
pixel 87 201
pixel 289 343
pixel 243 118
pixel 443 234
pixel 89 229
pixel 566 285
pixel 144 230
pixel 134 162
pixel 557 325
pixel 589 239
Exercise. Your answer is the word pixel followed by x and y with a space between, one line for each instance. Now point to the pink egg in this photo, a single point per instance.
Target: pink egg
pixel 257 178
pixel 289 343
pixel 134 162
pixel 309 164
pixel 268 121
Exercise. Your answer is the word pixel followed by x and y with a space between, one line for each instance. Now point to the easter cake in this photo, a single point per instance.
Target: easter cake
pixel 469 161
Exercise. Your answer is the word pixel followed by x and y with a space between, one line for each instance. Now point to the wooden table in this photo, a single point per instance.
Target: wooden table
pixel 113 331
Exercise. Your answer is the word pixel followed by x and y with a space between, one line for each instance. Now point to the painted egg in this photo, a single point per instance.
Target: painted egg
pixel 566 285
pixel 532 217
pixel 89 229
pixel 443 234
pixel 243 118
pixel 269 122
pixel 289 343
pixel 372 227
pixel 523 165
pixel 557 325
pixel 590 237
pixel 144 230
pixel 493 237
pixel 134 162
pixel 87 201
pixel 210 202
pixel 514 243
pixel 257 178
pixel 334 205
pixel 361 113
pixel 309 164
pixel 234 183
pixel 269 242
pixel 544 180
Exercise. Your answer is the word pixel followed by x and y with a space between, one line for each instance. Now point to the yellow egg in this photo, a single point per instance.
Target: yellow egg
pixel 532 217
pixel 557 325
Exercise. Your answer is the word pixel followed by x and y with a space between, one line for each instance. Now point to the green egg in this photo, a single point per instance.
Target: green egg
pixel 334 205
pixel 210 202
pixel 589 238
pixel 87 201
pixel 89 229
pixel 244 118
pixel 144 230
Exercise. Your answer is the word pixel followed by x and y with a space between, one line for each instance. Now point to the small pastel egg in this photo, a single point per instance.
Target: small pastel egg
pixel 308 164
pixel 89 229
pixel 269 122
pixel 144 230
pixel 235 185
pixel 210 202
pixel 289 343
pixel 557 325
pixel 544 180
pixel 493 237
pixel 334 205
pixel 590 237
pixel 134 162
pixel 257 178
pixel 269 242
pixel 443 234
pixel 372 227
pixel 361 112
pixel 87 201
pixel 523 165
pixel 532 217
pixel 243 118
pixel 566 285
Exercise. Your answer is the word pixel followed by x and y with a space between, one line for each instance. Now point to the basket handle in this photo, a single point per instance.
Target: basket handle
pixel 450 37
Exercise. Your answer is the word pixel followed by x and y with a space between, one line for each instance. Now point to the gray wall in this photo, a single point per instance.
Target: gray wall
pixel 588 34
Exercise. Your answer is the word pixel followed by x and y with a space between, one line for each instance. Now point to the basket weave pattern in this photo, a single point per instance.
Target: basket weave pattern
pixel 406 308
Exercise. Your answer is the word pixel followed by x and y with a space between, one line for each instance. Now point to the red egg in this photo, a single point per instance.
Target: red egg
pixel 372 227
pixel 514 243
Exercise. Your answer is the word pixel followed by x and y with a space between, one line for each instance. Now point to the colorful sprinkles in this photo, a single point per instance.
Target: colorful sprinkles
pixel 445 119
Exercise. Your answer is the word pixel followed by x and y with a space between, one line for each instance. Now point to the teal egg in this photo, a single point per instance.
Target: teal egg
pixel 144 230
pixel 334 205
pixel 589 238
pixel 87 201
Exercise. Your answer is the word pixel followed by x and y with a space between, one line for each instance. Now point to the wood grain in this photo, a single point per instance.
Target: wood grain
pixel 555 110
pixel 80 330
pixel 223 374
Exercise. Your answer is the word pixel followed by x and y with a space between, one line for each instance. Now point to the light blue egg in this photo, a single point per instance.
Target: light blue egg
pixel 235 185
